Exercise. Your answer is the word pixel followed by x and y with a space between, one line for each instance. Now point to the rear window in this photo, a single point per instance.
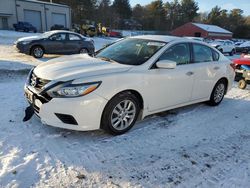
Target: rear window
pixel 216 55
pixel 74 37
pixel 202 53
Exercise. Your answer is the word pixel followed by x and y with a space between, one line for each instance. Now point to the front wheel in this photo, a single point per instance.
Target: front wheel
pixel 120 114
pixel 37 52
pixel 218 93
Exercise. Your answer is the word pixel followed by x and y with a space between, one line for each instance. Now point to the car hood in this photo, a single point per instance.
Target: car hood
pixel 77 66
pixel 29 38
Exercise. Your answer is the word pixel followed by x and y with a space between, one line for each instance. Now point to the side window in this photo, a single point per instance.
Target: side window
pixel 216 55
pixel 58 37
pixel 74 37
pixel 179 53
pixel 202 53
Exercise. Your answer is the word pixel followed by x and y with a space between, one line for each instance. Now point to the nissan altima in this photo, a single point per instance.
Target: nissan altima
pixel 55 42
pixel 127 81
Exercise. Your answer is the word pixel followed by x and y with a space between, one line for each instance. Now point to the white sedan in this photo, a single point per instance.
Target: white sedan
pixel 127 81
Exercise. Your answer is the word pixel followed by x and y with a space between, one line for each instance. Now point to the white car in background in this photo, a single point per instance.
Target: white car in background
pixel 224 46
pixel 126 81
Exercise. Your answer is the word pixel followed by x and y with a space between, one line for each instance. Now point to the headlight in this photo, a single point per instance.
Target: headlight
pixel 25 42
pixel 72 90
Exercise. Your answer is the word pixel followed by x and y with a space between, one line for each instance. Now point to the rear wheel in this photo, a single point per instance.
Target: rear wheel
pixel 37 52
pixel 83 51
pixel 242 84
pixel 218 93
pixel 121 113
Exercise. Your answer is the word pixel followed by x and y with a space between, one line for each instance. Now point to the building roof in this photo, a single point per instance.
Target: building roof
pixel 212 28
pixel 47 3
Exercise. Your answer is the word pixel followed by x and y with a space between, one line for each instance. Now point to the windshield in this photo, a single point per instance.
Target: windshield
pixel 47 34
pixel 131 51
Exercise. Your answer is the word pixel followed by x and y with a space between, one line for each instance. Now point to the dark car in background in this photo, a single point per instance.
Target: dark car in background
pixel 24 26
pixel 55 42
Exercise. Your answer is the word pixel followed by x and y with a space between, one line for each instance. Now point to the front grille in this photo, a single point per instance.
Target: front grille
pixel 38 83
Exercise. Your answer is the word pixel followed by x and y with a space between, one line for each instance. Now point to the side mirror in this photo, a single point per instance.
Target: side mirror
pixel 166 64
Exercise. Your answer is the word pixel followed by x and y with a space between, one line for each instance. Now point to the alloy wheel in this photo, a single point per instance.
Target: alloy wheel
pixel 83 51
pixel 219 92
pixel 123 115
pixel 38 52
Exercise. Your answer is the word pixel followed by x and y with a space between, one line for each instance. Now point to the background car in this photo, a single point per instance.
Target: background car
pixel 224 46
pixel 55 42
pixel 24 26
pixel 244 47
pixel 137 75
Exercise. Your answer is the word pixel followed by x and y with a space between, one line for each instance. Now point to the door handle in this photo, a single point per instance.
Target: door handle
pixel 190 73
pixel 216 68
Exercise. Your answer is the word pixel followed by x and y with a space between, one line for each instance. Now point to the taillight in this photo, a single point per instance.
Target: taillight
pixel 233 66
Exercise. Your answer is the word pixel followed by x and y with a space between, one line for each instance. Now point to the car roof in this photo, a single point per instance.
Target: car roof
pixel 161 38
pixel 63 31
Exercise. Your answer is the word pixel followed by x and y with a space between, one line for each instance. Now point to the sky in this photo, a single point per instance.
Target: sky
pixel 207 5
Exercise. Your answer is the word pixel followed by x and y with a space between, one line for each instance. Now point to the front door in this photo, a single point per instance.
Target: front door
pixel 56 44
pixel 171 87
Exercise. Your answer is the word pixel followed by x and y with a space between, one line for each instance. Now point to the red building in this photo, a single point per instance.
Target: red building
pixel 202 30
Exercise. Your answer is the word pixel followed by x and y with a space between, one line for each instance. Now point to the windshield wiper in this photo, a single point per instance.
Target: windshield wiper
pixel 107 59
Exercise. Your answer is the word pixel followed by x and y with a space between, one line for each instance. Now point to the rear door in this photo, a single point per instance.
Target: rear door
pixel 207 70
pixel 74 43
pixel 56 44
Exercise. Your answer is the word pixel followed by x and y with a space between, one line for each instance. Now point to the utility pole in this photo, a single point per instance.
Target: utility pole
pixel 51 1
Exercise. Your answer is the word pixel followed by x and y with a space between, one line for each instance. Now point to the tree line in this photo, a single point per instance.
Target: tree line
pixel 156 15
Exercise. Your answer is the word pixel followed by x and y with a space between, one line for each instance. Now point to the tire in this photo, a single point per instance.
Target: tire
pixel 83 51
pixel 242 84
pixel 120 114
pixel 218 93
pixel 37 52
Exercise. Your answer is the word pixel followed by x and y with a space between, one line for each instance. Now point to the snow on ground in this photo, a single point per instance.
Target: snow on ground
pixel 10 58
pixel 194 146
